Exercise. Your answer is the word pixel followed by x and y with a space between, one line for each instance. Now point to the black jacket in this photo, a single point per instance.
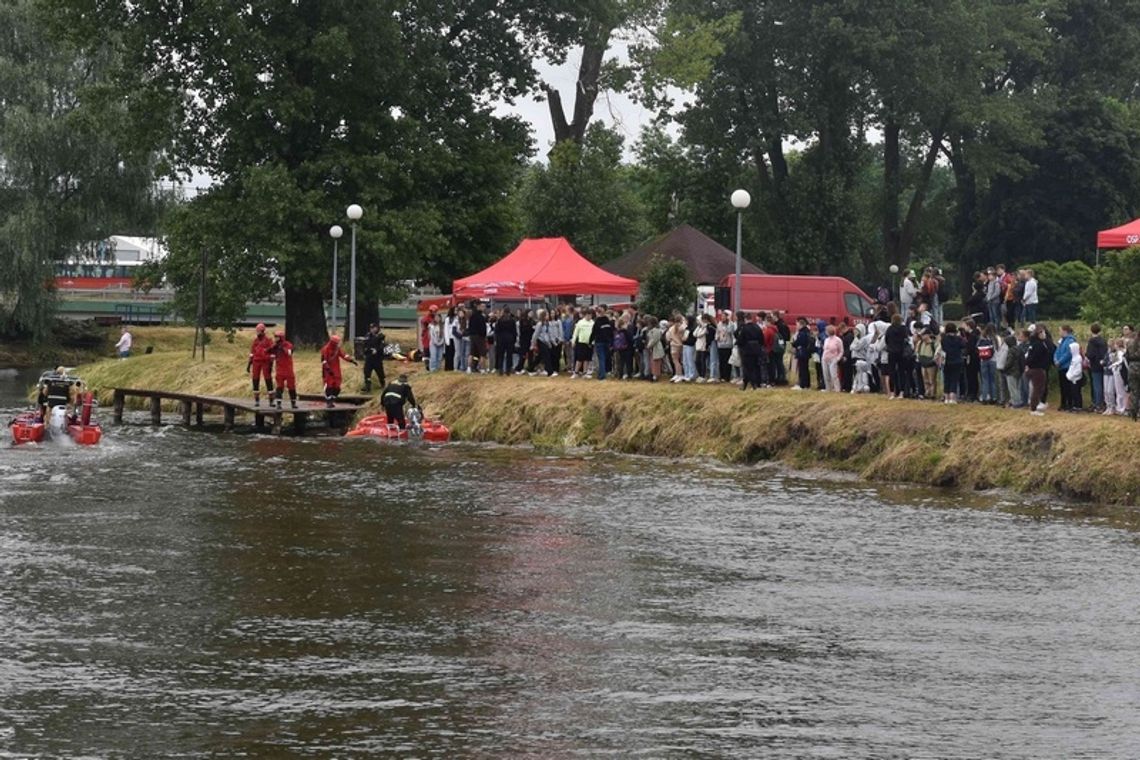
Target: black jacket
pixel 397 394
pixel 750 338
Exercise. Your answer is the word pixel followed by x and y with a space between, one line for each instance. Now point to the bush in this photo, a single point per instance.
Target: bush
pixel 1061 288
pixel 1114 294
pixel 666 288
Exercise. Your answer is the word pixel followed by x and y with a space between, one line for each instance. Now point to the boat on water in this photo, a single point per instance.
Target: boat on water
pixel 377 426
pixel 64 408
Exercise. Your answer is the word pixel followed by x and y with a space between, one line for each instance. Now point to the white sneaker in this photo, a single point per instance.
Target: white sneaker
pixel 573 375
pixel 798 388
pixel 700 379
pixel 1036 413
pixel 468 370
pixel 1042 406
pixel 554 374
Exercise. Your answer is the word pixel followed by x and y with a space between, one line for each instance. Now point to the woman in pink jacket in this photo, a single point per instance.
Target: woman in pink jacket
pixel 832 353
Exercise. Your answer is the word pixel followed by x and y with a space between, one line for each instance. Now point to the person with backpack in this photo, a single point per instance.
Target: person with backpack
pixel 602 338
pixel 953 357
pixel 702 332
pixel 987 365
pixel 1097 353
pixel 1010 362
pixel 1037 360
pixel 1062 357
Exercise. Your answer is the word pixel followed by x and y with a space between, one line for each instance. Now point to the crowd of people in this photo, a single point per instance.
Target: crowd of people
pixel 1000 356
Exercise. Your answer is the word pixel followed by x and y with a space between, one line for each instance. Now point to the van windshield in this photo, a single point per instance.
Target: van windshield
pixel 856 304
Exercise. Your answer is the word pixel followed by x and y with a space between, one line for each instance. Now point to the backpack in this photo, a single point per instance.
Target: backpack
pixel 639 340
pixel 943 290
pixel 621 340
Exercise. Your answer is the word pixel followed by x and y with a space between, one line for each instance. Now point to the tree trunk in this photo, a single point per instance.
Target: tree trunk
pixel 305 316
pixel 966 213
pixel 586 92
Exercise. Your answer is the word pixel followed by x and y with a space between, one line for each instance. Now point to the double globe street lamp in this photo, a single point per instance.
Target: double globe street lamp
pixel 740 201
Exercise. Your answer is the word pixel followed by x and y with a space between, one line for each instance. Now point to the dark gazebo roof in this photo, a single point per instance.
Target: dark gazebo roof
pixel 708 261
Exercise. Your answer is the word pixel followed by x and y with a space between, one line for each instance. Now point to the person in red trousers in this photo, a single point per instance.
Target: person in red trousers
pixel 331 355
pixel 283 358
pixel 260 364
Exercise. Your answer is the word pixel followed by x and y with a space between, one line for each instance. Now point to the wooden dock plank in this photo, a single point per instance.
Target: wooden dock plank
pixel 338 415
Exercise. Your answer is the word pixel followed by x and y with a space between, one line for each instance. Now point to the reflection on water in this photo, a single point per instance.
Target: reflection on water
pixel 178 593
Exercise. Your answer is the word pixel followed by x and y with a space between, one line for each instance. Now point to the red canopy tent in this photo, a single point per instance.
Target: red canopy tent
pixel 542 267
pixel 1124 236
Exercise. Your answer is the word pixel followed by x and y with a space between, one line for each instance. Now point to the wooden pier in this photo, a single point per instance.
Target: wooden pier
pixel 194 406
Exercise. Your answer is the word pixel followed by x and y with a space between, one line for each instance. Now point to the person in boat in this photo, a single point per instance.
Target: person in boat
pixel 283 358
pixel 394 397
pixel 55 390
pixel 331 354
pixel 373 357
pixel 260 364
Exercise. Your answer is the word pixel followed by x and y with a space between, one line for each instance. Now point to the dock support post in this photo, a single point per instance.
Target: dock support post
pixel 228 417
pixel 300 420
pixel 156 410
pixel 259 421
pixel 198 413
pixel 119 400
pixel 186 413
pixel 277 423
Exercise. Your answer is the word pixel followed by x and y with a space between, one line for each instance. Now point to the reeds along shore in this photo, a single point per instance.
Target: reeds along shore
pixel 1087 457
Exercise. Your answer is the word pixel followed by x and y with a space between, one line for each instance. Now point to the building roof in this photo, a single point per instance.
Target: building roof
pixel 708 261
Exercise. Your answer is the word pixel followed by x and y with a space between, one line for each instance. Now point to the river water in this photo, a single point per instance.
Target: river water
pixel 186 594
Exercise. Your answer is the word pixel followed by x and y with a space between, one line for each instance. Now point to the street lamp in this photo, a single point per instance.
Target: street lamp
pixel 354 213
pixel 335 232
pixel 740 201
pixel 894 268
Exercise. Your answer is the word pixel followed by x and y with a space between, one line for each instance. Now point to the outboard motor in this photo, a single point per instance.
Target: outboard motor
pixel 57 423
pixel 415 422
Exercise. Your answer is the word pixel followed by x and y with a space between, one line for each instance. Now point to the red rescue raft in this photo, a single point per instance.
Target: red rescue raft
pixel 84 431
pixel 377 426
pixel 28 427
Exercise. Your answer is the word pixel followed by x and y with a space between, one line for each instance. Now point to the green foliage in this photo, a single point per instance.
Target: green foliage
pixel 666 288
pixel 71 174
pixel 1061 287
pixel 1113 296
pixel 586 196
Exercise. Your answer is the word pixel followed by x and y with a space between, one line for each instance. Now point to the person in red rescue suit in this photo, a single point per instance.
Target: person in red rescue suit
pixel 283 357
pixel 261 364
pixel 331 355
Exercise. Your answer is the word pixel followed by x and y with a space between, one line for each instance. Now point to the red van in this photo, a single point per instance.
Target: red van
pixel 832 299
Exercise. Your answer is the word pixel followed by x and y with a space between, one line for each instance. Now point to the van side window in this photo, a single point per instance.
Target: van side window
pixel 855 305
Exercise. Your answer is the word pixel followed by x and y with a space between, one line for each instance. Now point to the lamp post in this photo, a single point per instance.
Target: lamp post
pixel 334 232
pixel 354 213
pixel 895 281
pixel 740 200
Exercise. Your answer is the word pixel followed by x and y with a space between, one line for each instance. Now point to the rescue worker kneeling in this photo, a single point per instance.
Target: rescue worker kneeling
pixel 394 397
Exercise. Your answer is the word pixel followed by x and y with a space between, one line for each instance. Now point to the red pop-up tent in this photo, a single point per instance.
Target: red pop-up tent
pixel 1124 236
pixel 542 267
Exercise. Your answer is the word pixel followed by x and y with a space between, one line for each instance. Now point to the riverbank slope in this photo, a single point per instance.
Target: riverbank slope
pixel 1087 457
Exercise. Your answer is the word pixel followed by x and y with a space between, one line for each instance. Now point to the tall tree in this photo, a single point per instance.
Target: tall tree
pixel 70 174
pixel 302 107
pixel 585 195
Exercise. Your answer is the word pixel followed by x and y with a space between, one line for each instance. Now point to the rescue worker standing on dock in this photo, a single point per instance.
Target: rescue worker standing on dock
pixel 261 364
pixel 394 397
pixel 283 356
pixel 373 357
pixel 331 355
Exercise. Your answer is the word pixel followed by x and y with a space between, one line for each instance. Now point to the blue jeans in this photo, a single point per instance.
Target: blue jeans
pixel 689 361
pixel 1097 388
pixel 988 390
pixel 1029 314
pixel 462 352
pixel 602 351
pixel 994 308
pixel 435 357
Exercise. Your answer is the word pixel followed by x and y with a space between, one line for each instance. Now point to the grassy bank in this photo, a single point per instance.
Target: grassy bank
pixel 1080 456
pixel 1086 457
